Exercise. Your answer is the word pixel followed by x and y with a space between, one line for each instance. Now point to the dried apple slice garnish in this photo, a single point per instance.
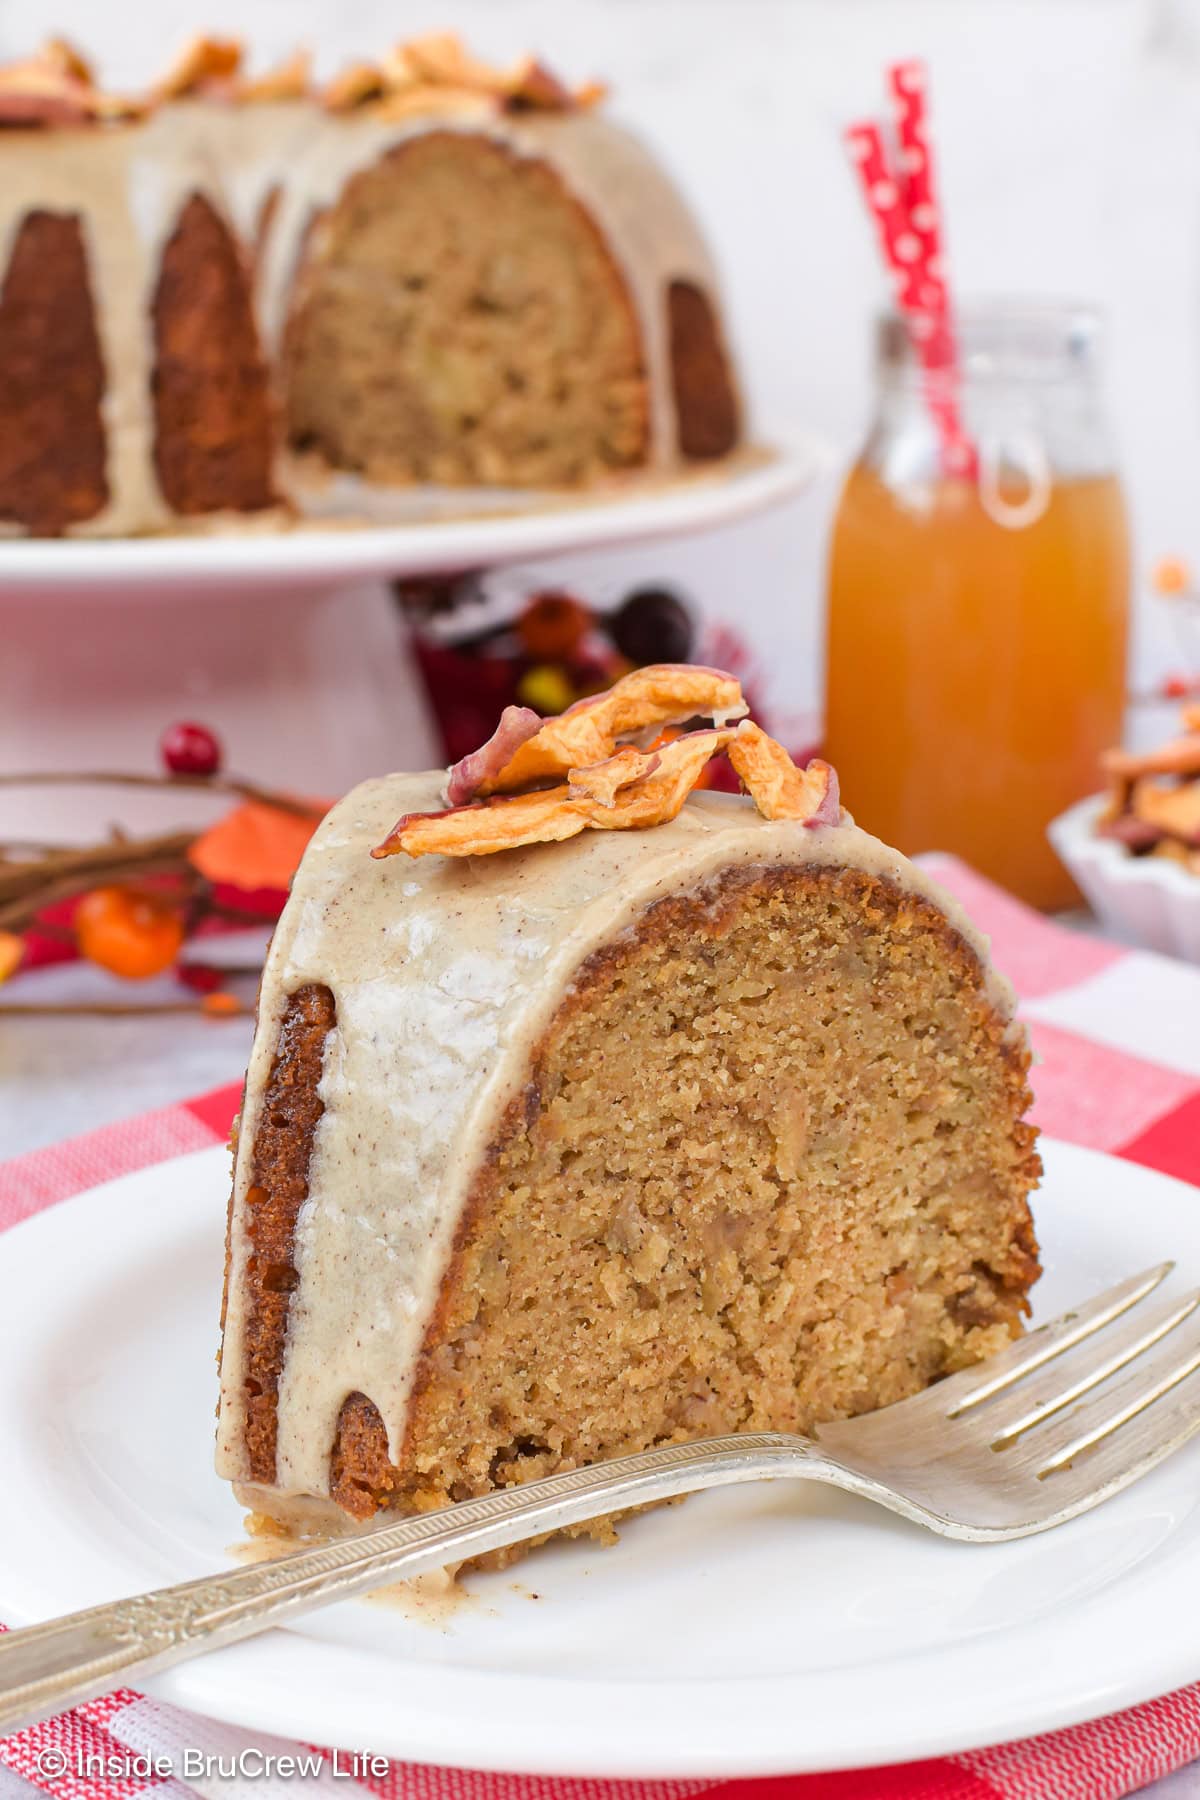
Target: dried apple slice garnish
pixel 484 826
pixel 1181 756
pixel 353 87
pixel 440 59
pixel 508 821
pixel 61 54
pixel 658 797
pixel 780 789
pixel 530 83
pixel 33 94
pixel 55 87
pixel 467 777
pixel 203 62
pixel 590 731
pixel 1171 811
pixel 603 781
pixel 626 789
pixel 438 69
pixel 288 80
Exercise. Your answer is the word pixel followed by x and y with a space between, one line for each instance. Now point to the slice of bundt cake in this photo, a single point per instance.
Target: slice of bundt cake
pixel 682 1113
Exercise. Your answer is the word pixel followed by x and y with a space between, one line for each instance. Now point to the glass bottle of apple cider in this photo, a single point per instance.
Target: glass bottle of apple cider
pixel 977 623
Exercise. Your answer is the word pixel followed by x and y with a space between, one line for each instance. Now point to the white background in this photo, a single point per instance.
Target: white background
pixel 1070 152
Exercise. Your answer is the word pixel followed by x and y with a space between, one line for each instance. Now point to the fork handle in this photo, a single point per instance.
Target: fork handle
pixel 45 1668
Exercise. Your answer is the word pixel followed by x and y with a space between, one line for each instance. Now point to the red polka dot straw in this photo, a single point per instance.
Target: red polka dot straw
pixel 901 198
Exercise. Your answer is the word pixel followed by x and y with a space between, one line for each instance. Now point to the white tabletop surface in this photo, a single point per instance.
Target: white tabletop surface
pixel 63 1075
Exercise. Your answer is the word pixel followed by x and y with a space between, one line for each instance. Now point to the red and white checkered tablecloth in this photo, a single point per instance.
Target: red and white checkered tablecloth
pixel 1117 1036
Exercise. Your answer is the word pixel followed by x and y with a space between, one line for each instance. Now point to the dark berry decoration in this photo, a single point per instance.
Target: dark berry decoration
pixel 652 626
pixel 189 749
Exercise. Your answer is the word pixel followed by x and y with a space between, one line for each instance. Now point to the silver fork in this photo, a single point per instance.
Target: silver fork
pixel 1062 1420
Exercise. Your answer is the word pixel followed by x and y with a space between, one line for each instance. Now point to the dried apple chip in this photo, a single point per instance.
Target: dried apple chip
pixel 55 87
pixel 288 80
pixel 548 815
pixel 603 781
pixel 658 797
pixel 778 788
pixel 517 725
pixel 204 61
pixel 440 59
pixel 589 731
pixel 530 83
pixel 354 86
pixel 437 69
pixel 1181 756
pixel 61 54
pixel 33 95
pixel 485 826
pixel 1171 811
pixel 627 789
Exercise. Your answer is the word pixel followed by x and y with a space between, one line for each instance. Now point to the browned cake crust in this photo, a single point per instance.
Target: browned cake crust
pixel 212 409
pixel 459 318
pixel 291 1110
pixel 706 404
pixel 827 1030
pixel 52 454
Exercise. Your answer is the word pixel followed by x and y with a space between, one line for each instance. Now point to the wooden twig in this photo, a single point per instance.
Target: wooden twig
pixel 213 784
pixel 161 857
pixel 113 855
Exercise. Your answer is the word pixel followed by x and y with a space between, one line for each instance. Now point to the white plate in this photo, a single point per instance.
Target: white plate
pixel 313 556
pixel 777 1628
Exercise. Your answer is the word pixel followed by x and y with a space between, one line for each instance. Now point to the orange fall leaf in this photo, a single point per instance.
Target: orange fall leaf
pixel 254 846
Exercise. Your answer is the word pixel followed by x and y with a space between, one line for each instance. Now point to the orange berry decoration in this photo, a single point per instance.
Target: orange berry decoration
pixel 221 1005
pixel 133 935
pixel 1170 575
pixel 12 949
pixel 552 625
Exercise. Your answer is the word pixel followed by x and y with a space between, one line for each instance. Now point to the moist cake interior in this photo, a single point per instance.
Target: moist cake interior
pixel 465 323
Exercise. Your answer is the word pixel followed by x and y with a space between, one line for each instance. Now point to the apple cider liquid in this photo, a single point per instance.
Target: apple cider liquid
pixel 977 624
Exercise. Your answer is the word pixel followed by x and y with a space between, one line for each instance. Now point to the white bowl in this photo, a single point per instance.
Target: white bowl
pixel 1145 899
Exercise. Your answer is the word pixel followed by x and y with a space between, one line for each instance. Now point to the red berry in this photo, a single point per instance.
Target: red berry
pixel 190 749
pixel 1176 687
pixel 202 978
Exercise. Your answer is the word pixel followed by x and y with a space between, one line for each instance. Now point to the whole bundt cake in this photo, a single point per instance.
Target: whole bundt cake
pixel 238 297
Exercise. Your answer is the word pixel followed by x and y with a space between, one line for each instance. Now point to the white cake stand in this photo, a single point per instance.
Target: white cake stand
pixel 289 645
